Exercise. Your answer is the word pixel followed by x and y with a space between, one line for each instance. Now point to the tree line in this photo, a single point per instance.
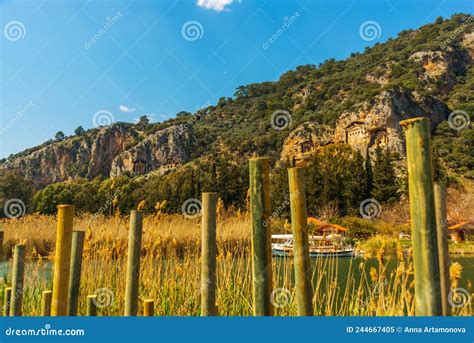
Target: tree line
pixel 336 176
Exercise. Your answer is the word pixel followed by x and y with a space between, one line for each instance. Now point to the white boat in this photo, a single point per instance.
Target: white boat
pixel 319 246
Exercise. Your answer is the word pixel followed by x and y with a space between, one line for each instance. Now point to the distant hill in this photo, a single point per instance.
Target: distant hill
pixel 358 101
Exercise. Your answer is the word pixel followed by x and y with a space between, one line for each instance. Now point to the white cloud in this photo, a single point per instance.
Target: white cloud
pixel 126 109
pixel 216 5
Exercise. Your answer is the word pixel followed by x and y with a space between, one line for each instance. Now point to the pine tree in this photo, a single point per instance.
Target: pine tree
pixel 385 188
pixel 369 175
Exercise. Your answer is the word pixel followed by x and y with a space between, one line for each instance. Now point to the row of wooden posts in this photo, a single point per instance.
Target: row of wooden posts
pixel 428 225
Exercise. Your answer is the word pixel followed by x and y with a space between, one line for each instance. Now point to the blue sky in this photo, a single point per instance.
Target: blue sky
pixel 61 62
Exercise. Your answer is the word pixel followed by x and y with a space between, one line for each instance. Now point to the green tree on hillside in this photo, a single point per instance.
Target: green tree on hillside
pixel 16 190
pixel 385 188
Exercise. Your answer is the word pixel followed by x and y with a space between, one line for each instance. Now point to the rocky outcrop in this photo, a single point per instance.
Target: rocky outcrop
pixel 53 163
pixel 444 65
pixel 304 138
pixel 369 124
pixel 108 151
pixel 162 151
pixel 376 122
pixel 468 44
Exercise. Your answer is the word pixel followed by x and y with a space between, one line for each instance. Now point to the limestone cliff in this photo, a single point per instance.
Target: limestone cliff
pixel 371 123
pixel 107 151
pixel 161 151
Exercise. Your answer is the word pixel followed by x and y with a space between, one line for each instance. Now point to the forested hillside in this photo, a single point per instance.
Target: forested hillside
pixel 428 68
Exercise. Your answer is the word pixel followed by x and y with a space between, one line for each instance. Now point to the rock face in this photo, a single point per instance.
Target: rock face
pixel 441 65
pixel 371 123
pixel 304 138
pixel 162 151
pixel 110 151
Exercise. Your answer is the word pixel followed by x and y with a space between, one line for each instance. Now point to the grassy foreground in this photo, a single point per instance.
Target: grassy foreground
pixel 170 270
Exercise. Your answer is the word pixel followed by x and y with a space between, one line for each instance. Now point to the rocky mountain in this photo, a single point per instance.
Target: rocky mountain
pixel 369 124
pixel 106 151
pixel 358 101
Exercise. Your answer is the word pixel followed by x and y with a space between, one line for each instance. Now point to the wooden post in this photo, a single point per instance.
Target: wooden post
pixel 17 280
pixel 208 255
pixel 299 227
pixel 422 217
pixel 443 250
pixel 133 263
pixel 148 307
pixel 62 260
pixel 261 236
pixel 46 303
pixel 91 305
pixel 7 301
pixel 2 235
pixel 75 273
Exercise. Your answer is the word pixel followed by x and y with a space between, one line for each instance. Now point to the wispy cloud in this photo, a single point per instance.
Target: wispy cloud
pixel 216 5
pixel 126 109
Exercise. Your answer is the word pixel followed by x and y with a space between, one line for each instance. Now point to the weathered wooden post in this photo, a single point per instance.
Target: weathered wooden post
pixel 91 305
pixel 443 250
pixel 208 255
pixel 46 303
pixel 75 273
pixel 299 227
pixel 261 236
pixel 422 217
pixel 133 263
pixel 7 301
pixel 17 280
pixel 2 235
pixel 62 260
pixel 148 307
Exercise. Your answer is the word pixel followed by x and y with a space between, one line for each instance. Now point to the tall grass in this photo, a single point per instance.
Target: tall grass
pixel 170 270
